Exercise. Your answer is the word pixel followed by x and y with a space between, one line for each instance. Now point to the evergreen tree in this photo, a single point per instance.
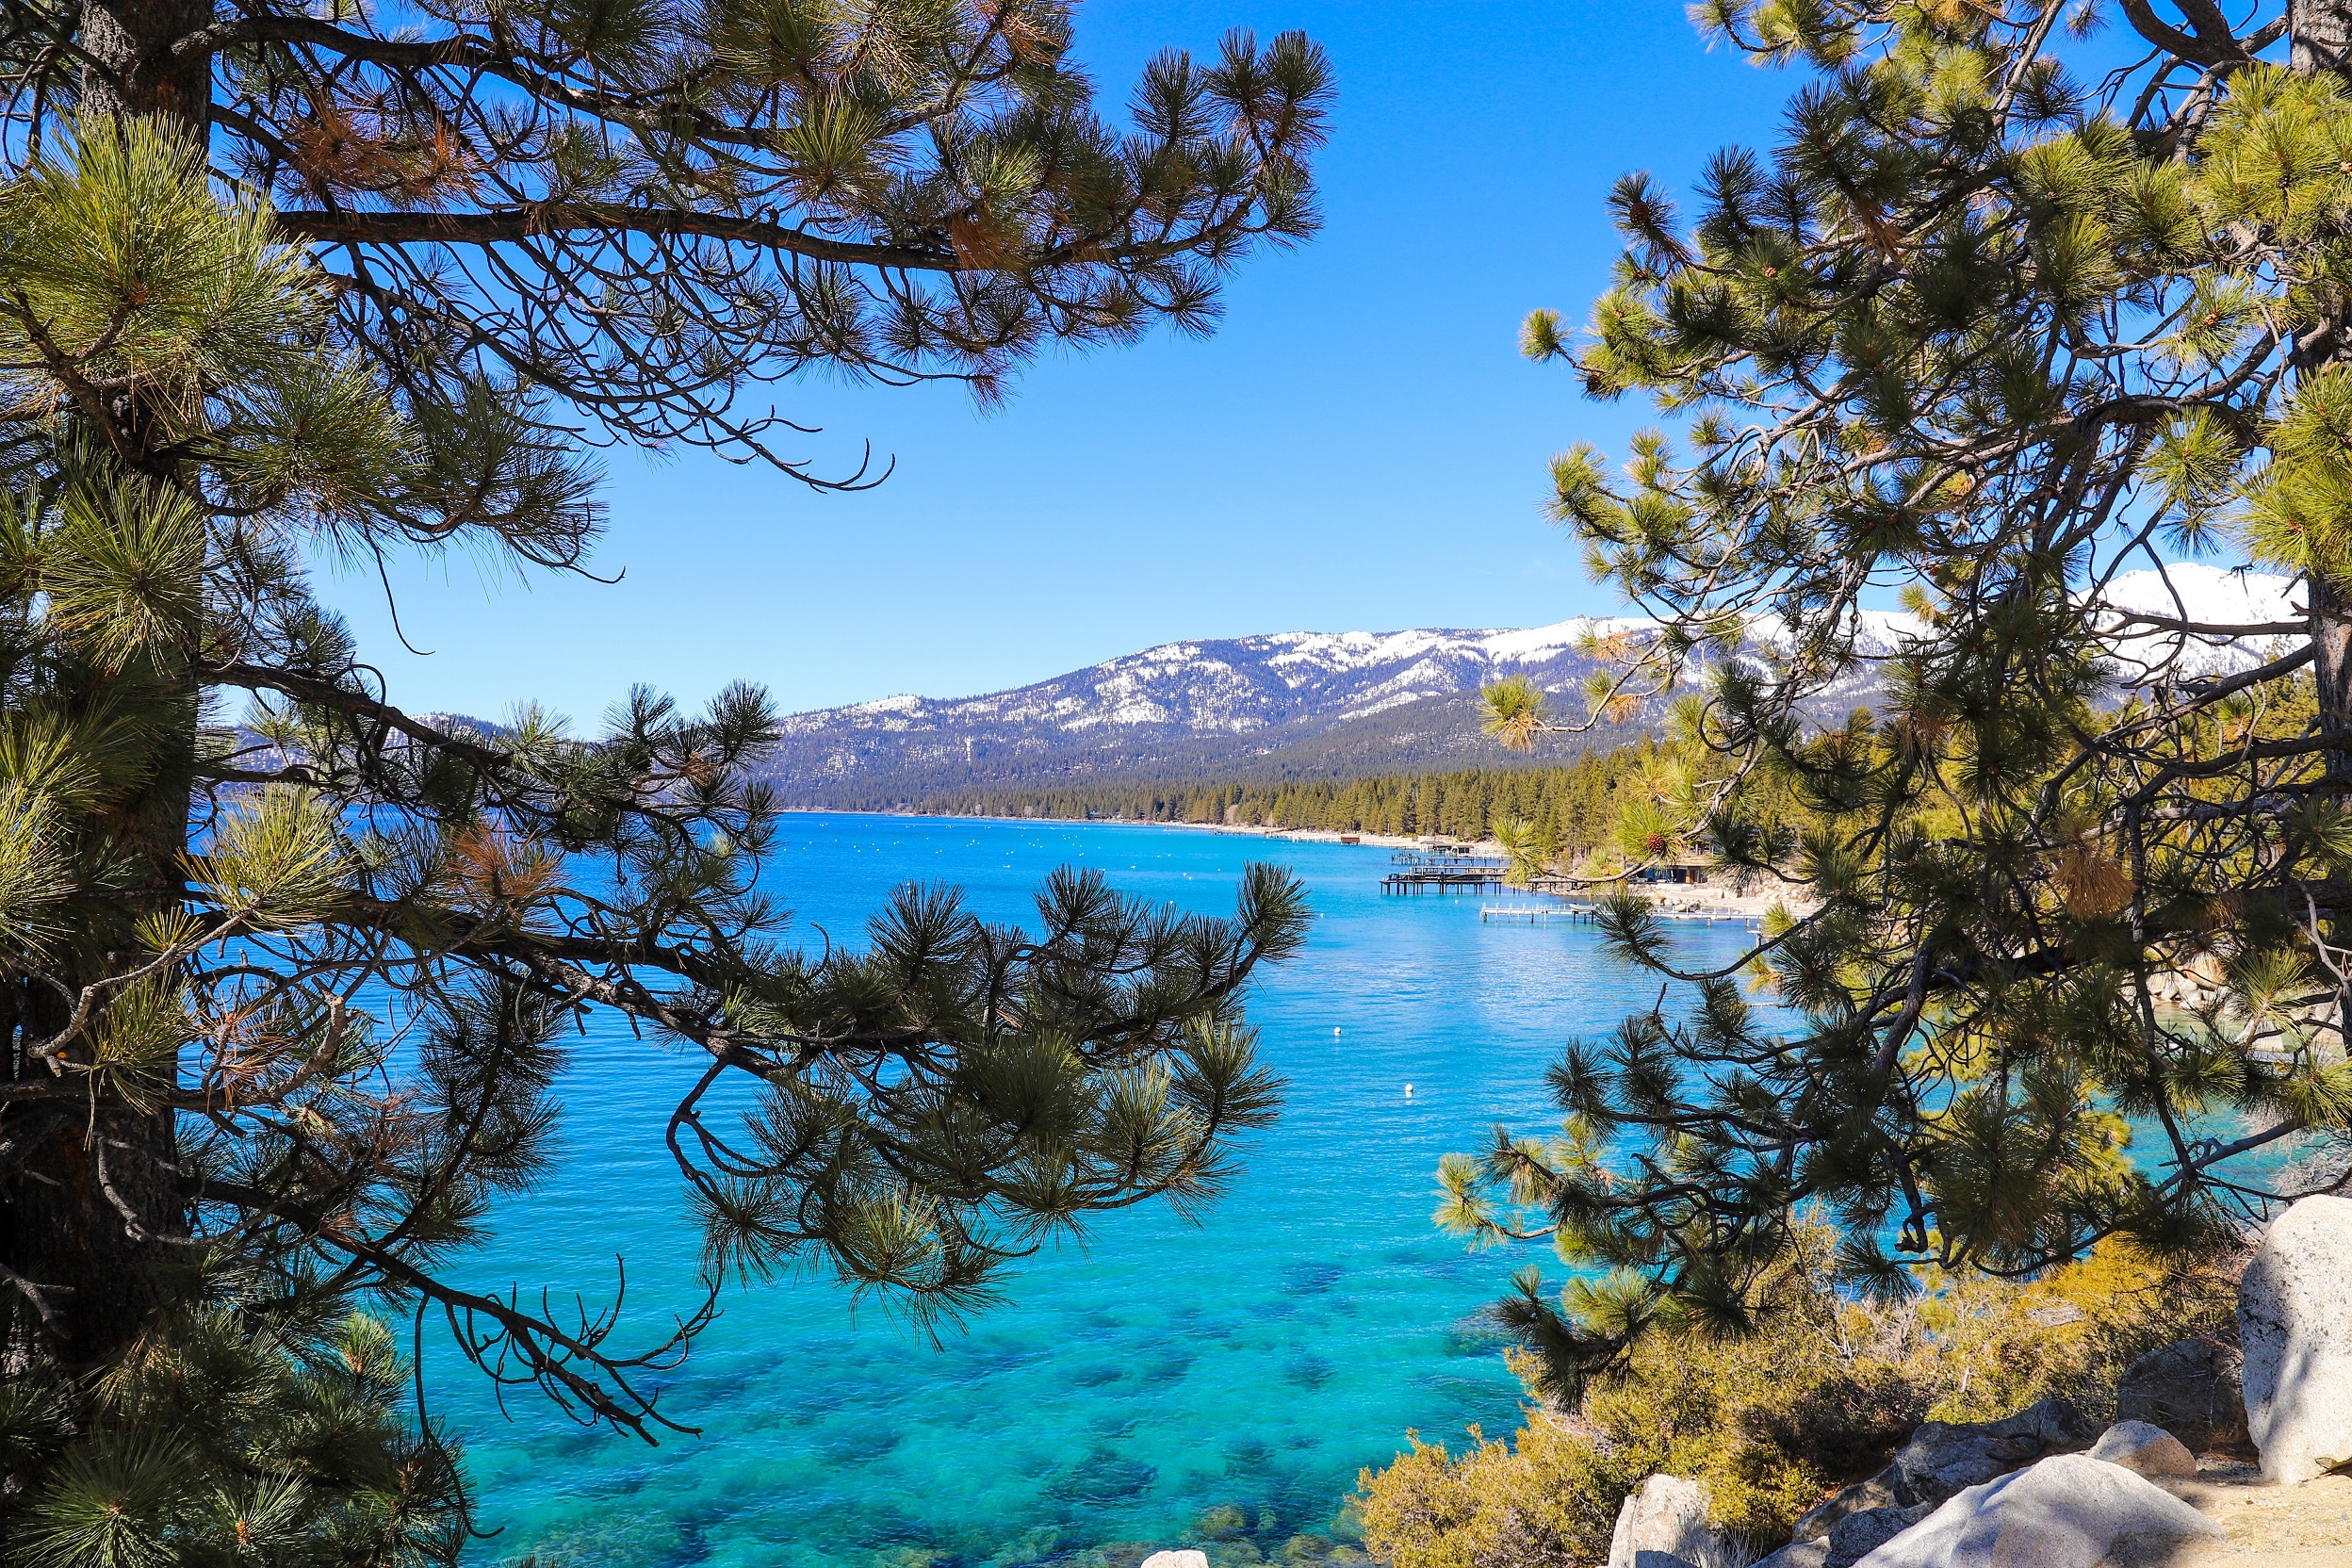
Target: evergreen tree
pixel 253 1426
pixel 648 209
pixel 1986 330
pixel 282 998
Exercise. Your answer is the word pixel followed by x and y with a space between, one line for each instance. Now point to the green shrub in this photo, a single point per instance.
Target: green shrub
pixel 1822 1393
pixel 1545 1495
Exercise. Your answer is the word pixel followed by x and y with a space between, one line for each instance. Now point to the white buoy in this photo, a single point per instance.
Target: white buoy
pixel 1408 1091
pixel 1335 1033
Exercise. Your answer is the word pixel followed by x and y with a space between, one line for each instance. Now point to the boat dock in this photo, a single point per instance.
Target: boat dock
pixel 1584 914
pixel 1453 869
pixel 1535 914
pixel 1444 872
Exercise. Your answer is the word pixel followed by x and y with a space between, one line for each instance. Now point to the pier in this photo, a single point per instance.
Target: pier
pixel 1444 871
pixel 1535 914
pixel 1450 869
pixel 1450 880
pixel 1584 914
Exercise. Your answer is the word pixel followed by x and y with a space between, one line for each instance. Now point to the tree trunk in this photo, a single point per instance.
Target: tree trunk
pixel 128 66
pixel 2320 33
pixel 90 1203
pixel 90 1198
pixel 2320 36
pixel 89 1285
pixel 2331 639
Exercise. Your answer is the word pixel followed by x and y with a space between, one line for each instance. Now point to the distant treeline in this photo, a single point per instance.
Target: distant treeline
pixel 1576 806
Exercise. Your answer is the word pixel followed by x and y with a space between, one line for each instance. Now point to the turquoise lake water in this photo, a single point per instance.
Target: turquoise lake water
pixel 1258 1359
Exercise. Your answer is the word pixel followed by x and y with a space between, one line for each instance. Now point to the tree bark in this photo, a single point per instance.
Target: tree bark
pixel 2331 643
pixel 128 67
pixel 2319 33
pixel 87 1285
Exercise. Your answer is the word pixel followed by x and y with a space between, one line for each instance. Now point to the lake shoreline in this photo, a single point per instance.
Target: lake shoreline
pixel 1675 901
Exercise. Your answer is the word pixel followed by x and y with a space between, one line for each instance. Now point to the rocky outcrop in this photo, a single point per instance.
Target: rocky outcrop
pixel 1664 1525
pixel 2191 1389
pixel 2145 1450
pixel 1855 1521
pixel 2065 1511
pixel 1943 1457
pixel 1816 1523
pixel 2294 1325
pixel 1858 1534
pixel 1798 1554
pixel 1187 1558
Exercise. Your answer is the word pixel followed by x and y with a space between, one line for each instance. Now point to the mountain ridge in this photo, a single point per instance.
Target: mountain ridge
pixel 1310 704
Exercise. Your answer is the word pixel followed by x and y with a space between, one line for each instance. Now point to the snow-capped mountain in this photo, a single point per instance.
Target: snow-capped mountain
pixel 2207 595
pixel 1239 685
pixel 1323 703
pixel 1318 702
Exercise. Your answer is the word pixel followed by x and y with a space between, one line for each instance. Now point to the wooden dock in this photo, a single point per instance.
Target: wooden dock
pixel 1444 857
pixel 1442 871
pixel 1585 914
pixel 1443 880
pixel 1455 871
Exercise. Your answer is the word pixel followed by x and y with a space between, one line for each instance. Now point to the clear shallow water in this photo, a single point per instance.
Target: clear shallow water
pixel 1258 1359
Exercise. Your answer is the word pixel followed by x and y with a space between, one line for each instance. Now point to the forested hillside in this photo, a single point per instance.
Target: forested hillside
pixel 1577 805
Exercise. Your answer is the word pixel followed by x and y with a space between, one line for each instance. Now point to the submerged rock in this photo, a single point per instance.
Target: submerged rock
pixel 2294 1322
pixel 1186 1558
pixel 1223 1522
pixel 2066 1512
pixel 2191 1389
pixel 2144 1450
pixel 1943 1457
pixel 1663 1522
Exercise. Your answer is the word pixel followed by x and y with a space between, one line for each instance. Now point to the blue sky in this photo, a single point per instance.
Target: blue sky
pixel 1358 447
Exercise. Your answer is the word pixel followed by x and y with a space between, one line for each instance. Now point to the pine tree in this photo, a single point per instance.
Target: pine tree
pixel 286 971
pixel 647 210
pixel 254 1426
pixel 1986 331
